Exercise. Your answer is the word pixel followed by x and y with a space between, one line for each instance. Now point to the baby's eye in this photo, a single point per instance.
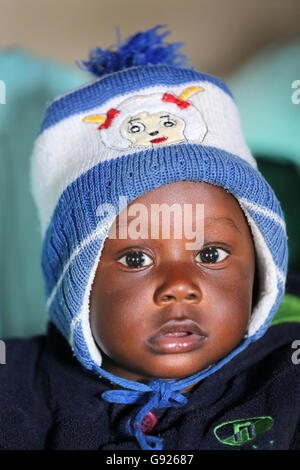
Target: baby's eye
pixel 211 254
pixel 133 259
pixel 168 123
pixel 136 127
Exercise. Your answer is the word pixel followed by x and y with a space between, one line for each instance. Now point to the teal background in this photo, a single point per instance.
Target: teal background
pixel 262 87
pixel 30 83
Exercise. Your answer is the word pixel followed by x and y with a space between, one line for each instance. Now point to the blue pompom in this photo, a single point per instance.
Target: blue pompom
pixel 144 48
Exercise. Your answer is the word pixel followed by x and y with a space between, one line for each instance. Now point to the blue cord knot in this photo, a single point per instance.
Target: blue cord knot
pixel 157 394
pixel 163 396
pixel 161 393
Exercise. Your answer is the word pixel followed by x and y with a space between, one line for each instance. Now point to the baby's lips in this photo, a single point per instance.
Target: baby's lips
pixel 177 337
pixel 177 326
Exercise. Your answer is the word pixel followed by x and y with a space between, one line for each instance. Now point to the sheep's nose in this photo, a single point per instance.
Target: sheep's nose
pixel 153 133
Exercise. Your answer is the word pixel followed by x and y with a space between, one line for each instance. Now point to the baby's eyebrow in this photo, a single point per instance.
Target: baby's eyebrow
pixel 165 116
pixel 222 219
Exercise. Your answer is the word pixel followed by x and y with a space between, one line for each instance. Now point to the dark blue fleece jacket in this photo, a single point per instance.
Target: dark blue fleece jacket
pixel 49 401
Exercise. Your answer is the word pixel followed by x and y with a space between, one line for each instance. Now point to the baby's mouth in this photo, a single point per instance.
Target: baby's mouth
pixel 177 337
pixel 158 140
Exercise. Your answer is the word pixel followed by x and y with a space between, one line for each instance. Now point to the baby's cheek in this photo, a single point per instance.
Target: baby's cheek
pixel 229 302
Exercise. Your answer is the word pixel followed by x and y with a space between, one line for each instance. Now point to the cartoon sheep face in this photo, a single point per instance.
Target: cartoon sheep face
pixel 151 121
pixel 146 129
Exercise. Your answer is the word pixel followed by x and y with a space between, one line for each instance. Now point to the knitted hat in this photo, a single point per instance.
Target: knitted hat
pixel 89 153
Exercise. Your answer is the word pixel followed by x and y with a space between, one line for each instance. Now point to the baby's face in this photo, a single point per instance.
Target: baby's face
pixel 161 310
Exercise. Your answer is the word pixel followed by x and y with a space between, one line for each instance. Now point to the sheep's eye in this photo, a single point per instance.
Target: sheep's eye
pixel 136 127
pixel 168 122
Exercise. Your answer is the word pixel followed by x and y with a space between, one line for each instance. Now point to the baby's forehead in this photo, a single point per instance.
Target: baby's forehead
pixel 188 196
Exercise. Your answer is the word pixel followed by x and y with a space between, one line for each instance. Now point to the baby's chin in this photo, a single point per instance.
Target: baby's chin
pixel 176 375
pixel 167 367
pixel 169 379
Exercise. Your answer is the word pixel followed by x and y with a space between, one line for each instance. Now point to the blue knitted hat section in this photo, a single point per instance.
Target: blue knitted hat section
pixel 72 241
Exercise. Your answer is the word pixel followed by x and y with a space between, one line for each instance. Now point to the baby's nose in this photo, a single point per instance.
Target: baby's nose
pixel 179 292
pixel 153 133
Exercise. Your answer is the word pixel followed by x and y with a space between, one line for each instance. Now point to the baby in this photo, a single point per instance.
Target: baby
pixel 144 286
pixel 164 258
